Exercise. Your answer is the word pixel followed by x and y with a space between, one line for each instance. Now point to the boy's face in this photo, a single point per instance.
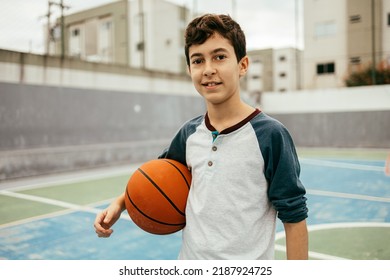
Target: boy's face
pixel 214 70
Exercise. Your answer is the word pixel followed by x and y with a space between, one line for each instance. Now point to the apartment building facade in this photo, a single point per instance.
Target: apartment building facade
pixel 343 36
pixel 144 34
pixel 276 70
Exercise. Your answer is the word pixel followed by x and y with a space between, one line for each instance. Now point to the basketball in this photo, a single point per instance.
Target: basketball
pixel 156 196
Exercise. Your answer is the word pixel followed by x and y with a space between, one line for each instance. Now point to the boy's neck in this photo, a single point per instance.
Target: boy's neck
pixel 224 115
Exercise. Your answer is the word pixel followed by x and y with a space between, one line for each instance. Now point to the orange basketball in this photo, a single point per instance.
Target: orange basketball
pixel 156 196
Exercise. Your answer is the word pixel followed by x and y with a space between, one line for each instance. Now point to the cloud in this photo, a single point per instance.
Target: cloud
pixel 20 25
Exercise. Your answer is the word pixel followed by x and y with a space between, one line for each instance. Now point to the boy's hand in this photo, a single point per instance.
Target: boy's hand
pixel 103 223
pixel 108 217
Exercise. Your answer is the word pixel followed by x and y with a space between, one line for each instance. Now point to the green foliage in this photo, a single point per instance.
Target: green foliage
pixel 365 76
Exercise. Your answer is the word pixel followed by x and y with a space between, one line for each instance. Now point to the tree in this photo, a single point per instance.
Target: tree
pixel 365 76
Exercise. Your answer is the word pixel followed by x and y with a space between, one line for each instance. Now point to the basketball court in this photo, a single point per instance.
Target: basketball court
pixel 51 217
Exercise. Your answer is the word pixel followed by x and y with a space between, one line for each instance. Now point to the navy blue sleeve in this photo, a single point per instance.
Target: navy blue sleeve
pixel 282 170
pixel 177 148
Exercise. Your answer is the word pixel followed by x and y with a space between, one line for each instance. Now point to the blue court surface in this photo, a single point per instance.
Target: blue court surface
pixel 51 218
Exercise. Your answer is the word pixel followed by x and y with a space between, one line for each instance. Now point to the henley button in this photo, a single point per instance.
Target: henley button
pixel 214 148
pixel 210 163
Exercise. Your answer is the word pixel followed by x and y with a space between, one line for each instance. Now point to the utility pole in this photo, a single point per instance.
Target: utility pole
pixel 62 7
pixel 141 44
pixel 373 67
pixel 62 30
pixel 297 56
pixel 48 29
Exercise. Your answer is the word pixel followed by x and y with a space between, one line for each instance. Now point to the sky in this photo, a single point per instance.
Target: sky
pixel 266 23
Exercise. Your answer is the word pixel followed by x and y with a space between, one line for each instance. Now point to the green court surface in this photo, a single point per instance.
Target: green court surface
pixel 30 202
pixel 344 153
pixel 347 241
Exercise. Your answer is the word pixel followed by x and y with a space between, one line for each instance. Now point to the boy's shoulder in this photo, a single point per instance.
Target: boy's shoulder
pixel 270 131
pixel 264 121
pixel 195 121
pixel 190 126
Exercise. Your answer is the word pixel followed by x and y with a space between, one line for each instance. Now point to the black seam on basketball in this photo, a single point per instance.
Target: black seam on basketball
pixel 161 191
pixel 181 173
pixel 150 218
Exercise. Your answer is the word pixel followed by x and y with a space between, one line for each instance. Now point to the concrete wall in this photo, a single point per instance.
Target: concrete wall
pixel 47 129
pixel 26 68
pixel 347 117
pixel 341 130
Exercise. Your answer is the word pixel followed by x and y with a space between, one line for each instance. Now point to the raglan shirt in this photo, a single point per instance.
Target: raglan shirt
pixel 242 178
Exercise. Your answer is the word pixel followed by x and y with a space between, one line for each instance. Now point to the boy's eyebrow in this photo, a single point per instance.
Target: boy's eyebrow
pixel 219 50
pixel 212 52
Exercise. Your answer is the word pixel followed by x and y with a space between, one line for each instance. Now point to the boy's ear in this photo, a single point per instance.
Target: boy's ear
pixel 244 64
pixel 188 70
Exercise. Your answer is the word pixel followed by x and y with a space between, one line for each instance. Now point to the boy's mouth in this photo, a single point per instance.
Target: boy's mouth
pixel 211 84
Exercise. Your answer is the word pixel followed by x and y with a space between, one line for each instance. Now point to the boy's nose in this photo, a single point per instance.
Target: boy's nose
pixel 209 69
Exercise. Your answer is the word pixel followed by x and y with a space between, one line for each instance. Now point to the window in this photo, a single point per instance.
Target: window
pixel 388 19
pixel 282 58
pixel 75 32
pixel 55 33
pixel 325 68
pixel 282 74
pixel 354 60
pixel 140 46
pixel 354 19
pixel 76 47
pixel 105 40
pixel 106 25
pixel 324 29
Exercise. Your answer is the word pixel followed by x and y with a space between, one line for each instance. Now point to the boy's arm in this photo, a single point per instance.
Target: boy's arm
pixel 297 243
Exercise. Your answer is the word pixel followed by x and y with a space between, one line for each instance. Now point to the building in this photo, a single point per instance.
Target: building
pixel 342 36
pixel 272 70
pixel 144 34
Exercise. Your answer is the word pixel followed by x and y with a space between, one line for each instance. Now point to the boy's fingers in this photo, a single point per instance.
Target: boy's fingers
pixel 100 225
pixel 105 233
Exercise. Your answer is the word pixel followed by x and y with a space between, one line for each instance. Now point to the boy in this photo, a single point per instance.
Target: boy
pixel 244 166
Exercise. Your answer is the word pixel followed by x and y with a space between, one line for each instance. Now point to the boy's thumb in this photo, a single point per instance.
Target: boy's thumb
pixel 107 220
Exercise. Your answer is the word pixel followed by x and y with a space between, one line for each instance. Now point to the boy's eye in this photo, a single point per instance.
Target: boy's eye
pixel 197 61
pixel 220 57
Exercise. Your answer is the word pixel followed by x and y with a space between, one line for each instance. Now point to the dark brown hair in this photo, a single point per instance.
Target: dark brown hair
pixel 201 28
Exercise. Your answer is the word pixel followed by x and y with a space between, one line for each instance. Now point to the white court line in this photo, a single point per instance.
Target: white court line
pixel 312 254
pixel 348 195
pixel 348 225
pixel 58 179
pixel 50 201
pixel 342 165
pixel 10 188
pixel 67 205
pixel 281 235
